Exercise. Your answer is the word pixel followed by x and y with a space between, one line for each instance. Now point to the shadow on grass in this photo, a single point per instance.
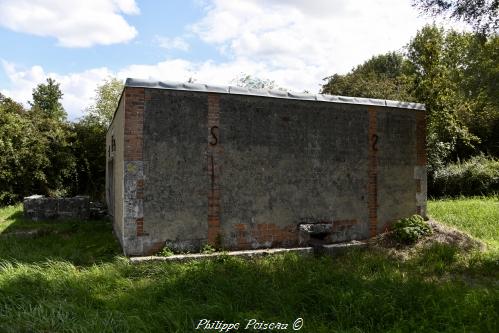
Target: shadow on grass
pixel 359 292
pixel 80 242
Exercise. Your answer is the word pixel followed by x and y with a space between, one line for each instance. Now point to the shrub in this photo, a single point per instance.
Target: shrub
pixel 208 249
pixel 410 229
pixel 476 176
pixel 165 252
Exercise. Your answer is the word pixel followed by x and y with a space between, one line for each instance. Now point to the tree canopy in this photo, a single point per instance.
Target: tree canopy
pixel 254 82
pixel 47 100
pixel 106 100
pixel 483 15
pixel 383 76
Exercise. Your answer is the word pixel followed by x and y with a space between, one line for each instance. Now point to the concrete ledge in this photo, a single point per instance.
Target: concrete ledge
pixel 340 248
pixel 331 249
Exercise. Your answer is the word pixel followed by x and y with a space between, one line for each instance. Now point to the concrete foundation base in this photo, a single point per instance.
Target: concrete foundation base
pixel 331 249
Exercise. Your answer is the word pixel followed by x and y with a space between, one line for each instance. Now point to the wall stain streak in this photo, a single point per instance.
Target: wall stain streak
pixel 372 187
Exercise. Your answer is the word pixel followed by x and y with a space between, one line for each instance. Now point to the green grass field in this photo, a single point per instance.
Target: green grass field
pixel 71 277
pixel 478 217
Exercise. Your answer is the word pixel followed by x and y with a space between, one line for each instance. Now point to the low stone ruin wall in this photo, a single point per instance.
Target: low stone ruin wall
pixel 38 207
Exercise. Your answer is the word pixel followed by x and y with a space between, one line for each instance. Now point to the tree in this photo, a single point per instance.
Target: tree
pixel 89 149
pixel 106 100
pixel 46 99
pixel 23 153
pixel 254 82
pixel 456 75
pixel 89 146
pixel 483 15
pixel 383 76
pixel 49 118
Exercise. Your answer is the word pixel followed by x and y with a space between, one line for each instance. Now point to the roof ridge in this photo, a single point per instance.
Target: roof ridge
pixel 275 93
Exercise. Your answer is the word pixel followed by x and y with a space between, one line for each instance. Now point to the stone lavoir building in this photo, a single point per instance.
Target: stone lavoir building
pixel 195 164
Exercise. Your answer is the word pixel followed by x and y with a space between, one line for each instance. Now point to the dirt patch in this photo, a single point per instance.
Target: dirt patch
pixel 442 234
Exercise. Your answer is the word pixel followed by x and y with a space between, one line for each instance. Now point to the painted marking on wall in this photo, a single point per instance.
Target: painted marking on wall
pixel 213 131
pixel 372 187
pixel 374 139
pixel 214 152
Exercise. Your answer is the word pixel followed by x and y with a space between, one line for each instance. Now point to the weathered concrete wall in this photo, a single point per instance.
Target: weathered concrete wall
pixel 177 185
pixel 242 171
pixel 287 162
pixel 397 156
pixel 38 207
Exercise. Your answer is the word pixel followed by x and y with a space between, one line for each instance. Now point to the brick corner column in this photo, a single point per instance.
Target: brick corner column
pixel 134 169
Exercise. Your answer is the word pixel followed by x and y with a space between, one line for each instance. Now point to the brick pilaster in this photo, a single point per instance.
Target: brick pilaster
pixel 134 124
pixel 214 153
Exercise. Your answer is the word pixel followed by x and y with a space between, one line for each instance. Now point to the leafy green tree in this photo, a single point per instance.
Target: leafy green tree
pixel 47 100
pixel 455 75
pixel 49 118
pixel 254 82
pixel 23 154
pixel 480 87
pixel 383 76
pixel 89 146
pixel 483 15
pixel 106 100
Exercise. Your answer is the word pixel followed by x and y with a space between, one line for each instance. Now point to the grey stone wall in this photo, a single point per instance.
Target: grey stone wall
pixel 38 207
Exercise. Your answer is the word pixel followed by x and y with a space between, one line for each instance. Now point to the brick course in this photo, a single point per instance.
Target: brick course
pixel 134 124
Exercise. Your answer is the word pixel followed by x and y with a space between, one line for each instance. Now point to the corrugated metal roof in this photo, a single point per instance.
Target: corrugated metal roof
pixel 269 93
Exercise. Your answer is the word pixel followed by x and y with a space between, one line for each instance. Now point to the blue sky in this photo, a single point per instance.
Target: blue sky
pixel 294 42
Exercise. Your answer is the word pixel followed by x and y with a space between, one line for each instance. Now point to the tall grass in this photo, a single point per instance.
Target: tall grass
pixel 47 287
pixel 359 292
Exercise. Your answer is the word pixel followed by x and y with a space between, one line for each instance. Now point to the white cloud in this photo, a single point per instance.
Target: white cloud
pixel 296 43
pixel 170 43
pixel 72 23
pixel 333 35
pixel 78 88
